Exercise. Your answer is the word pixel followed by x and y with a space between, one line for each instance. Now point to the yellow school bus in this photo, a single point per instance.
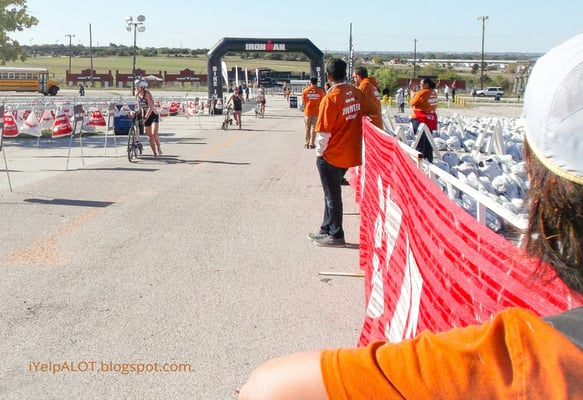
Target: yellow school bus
pixel 21 79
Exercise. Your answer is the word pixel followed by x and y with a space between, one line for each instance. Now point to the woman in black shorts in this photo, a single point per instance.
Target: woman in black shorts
pixel 237 100
pixel 149 115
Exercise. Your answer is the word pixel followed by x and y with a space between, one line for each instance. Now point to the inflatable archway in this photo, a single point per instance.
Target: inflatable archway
pixel 305 46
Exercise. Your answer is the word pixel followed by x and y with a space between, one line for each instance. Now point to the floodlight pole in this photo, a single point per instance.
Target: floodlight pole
pixel 134 25
pixel 70 36
pixel 134 65
pixel 483 18
pixel 414 58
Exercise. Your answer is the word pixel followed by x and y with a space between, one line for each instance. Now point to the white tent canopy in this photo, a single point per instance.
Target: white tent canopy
pixel 153 78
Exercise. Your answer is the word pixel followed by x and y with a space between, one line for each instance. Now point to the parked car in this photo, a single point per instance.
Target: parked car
pixel 494 91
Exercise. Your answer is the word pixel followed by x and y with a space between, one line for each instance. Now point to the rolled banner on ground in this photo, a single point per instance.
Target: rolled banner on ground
pixel 31 125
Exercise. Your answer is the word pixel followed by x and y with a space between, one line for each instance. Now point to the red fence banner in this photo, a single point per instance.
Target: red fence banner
pixel 428 263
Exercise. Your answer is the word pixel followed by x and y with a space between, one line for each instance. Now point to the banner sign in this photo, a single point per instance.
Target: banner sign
pixel 229 44
pixel 428 263
pixel 265 46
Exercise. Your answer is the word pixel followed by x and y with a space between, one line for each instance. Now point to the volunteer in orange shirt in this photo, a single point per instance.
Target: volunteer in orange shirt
pixel 370 87
pixel 515 355
pixel 311 97
pixel 424 104
pixel 338 147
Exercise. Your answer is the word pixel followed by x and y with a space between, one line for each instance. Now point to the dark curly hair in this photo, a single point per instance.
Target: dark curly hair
pixel 555 228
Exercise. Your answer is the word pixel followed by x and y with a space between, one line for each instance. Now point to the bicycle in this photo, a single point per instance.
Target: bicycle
pixel 135 147
pixel 228 118
pixel 259 110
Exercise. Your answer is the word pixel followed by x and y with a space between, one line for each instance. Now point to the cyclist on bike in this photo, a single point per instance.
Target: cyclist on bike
pixel 260 99
pixel 149 115
pixel 237 100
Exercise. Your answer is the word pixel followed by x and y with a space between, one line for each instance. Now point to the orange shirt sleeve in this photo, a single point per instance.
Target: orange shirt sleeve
pixel 371 93
pixel 416 98
pixel 516 355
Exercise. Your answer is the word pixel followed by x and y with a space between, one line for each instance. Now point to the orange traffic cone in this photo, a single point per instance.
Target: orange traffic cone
pixel 10 127
pixel 173 110
pixel 96 119
pixel 62 126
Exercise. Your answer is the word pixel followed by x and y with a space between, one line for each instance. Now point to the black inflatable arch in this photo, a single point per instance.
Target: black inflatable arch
pixel 215 73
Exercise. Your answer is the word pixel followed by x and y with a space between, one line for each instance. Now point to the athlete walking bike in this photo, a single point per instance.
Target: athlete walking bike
pixel 135 147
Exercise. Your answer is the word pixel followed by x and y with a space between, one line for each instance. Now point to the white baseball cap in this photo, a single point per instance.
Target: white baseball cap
pixel 553 109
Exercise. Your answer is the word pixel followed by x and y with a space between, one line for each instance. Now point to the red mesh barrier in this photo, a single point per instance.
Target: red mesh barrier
pixel 428 263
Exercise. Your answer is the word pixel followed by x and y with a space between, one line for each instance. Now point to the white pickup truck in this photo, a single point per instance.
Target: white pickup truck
pixel 490 91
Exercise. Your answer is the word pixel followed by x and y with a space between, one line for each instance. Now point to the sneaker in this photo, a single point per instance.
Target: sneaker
pixel 329 241
pixel 317 236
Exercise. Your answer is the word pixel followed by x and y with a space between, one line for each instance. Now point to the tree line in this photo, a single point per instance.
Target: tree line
pixel 115 50
pixel 112 50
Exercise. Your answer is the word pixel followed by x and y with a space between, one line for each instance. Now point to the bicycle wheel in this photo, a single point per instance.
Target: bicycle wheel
pixel 131 147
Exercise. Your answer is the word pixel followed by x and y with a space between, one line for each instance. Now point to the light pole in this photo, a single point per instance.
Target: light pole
pixel 70 36
pixel 414 58
pixel 138 26
pixel 483 18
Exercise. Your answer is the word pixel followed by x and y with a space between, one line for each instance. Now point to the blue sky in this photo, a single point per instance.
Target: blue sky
pixel 378 25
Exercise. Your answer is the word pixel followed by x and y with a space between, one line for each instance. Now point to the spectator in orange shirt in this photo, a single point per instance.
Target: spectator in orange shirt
pixel 370 87
pixel 338 147
pixel 424 104
pixel 516 354
pixel 311 97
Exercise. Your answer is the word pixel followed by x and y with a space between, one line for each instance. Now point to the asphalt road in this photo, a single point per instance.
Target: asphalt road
pixel 199 258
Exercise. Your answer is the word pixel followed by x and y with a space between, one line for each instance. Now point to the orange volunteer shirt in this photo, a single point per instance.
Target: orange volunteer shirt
pixel 341 112
pixel 312 96
pixel 424 104
pixel 516 355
